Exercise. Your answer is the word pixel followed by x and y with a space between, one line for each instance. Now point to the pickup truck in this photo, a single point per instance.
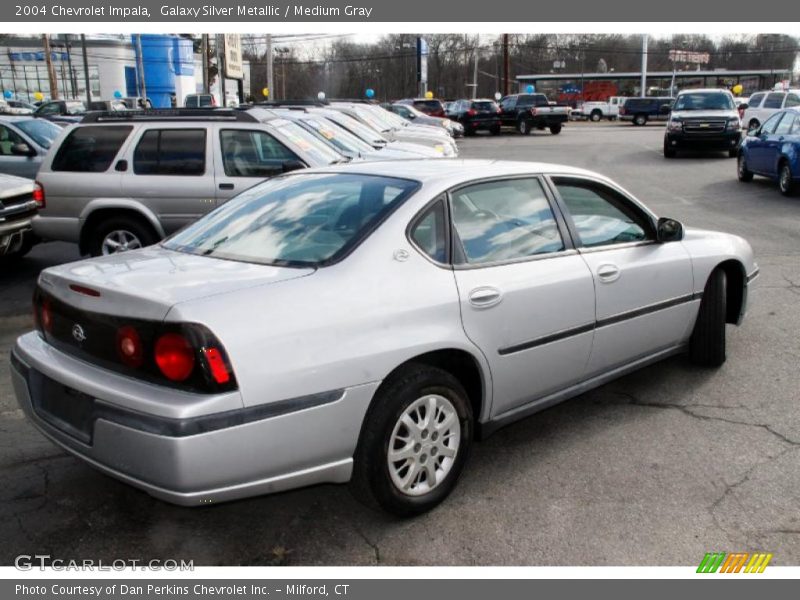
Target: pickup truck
pixel 17 209
pixel 595 111
pixel 526 112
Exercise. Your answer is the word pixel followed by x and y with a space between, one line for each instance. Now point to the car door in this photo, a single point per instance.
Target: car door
pixel 757 145
pixel 247 157
pixel 170 170
pixel 527 297
pixel 15 164
pixel 643 289
pixel 773 145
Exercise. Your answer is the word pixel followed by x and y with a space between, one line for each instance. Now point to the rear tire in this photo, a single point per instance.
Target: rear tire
pixel 441 450
pixel 555 129
pixel 742 172
pixel 707 344
pixel 640 120
pixel 733 152
pixel 114 230
pixel 596 115
pixel 495 130
pixel 785 179
pixel 523 127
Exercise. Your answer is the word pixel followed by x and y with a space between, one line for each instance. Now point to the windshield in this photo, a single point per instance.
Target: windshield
pixel 371 119
pixel 75 108
pixel 356 127
pixel 707 101
pixel 307 142
pixel 393 119
pixel 336 135
pixel 42 131
pixel 299 220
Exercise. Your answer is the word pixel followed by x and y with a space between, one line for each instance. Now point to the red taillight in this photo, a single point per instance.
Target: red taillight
pixel 46 316
pixel 174 356
pixel 82 289
pixel 129 346
pixel 216 364
pixel 472 112
pixel 533 111
pixel 38 195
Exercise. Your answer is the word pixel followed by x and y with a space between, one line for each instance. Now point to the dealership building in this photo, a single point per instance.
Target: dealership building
pixel 170 68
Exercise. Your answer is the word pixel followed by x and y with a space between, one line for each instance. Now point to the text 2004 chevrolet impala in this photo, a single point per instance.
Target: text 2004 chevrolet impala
pixel 366 323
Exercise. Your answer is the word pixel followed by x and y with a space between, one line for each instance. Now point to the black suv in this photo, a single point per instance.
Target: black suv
pixel 477 114
pixel 642 110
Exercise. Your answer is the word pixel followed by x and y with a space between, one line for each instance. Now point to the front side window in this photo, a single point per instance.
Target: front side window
pixel 42 131
pixel 299 220
pixel 252 153
pixel 769 126
pixel 791 100
pixel 90 149
pixel 8 139
pixel 774 100
pixel 601 215
pixel 785 124
pixel 755 100
pixel 53 108
pixel 504 220
pixel 171 152
pixel 429 232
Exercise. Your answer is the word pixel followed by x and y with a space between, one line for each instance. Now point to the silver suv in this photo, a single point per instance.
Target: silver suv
pixel 118 181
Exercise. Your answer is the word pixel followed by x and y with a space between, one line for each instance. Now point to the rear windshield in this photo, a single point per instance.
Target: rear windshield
pixel 75 108
pixel 704 101
pixel 485 106
pixel 299 220
pixel 431 104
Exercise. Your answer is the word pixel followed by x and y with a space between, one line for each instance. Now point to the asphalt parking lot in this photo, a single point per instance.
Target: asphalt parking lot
pixel 657 468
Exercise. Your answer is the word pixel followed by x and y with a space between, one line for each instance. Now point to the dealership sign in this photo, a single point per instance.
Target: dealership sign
pixel 685 56
pixel 233 56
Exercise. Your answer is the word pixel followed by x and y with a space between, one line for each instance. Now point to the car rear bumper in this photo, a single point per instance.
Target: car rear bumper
pixel 489 123
pixel 223 458
pixel 65 229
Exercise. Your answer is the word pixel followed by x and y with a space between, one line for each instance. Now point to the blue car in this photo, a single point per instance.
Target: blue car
pixel 773 150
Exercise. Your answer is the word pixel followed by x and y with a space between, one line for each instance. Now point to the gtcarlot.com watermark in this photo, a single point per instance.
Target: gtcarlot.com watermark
pixel 29 562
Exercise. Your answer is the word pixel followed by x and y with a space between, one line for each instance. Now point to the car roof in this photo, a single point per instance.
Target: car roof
pixel 704 91
pixel 16 118
pixel 452 170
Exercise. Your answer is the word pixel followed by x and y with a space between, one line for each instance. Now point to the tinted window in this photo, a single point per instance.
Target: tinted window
pixel 525 100
pixel 785 124
pixel 251 153
pixel 769 125
pixel 429 104
pixel 704 101
pixel 774 100
pixel 429 232
pixel 791 100
pixel 509 102
pixel 485 106
pixel 504 220
pixel 296 220
pixel 90 149
pixel 171 152
pixel 601 215
pixel 52 108
pixel 755 100
pixel 192 101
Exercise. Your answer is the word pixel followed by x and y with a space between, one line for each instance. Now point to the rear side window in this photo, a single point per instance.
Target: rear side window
pixel 252 153
pixel 791 100
pixel 191 101
pixel 430 234
pixel 774 100
pixel 90 149
pixel 171 152
pixel 504 220
pixel 755 100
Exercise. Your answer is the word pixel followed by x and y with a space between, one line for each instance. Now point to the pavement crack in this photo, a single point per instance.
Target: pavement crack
pixel 687 410
pixel 375 548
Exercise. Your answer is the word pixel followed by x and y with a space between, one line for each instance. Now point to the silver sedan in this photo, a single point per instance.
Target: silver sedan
pixel 366 323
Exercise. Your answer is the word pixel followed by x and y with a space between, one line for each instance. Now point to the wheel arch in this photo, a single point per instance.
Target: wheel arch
pixel 98 210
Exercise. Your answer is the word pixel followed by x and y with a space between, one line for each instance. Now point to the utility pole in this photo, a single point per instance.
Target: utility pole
pixel 220 71
pixel 73 85
pixel 475 74
pixel 270 83
pixel 643 91
pixel 505 64
pixel 204 50
pixel 140 63
pixel 86 72
pixel 51 72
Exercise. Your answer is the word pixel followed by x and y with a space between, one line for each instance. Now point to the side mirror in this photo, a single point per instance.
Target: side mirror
pixel 743 106
pixel 754 132
pixel 22 149
pixel 666 109
pixel 292 165
pixel 669 230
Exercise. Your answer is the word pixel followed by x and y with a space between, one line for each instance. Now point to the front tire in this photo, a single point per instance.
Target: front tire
pixel 523 127
pixel 669 151
pixel 414 442
pixel 640 120
pixel 596 115
pixel 785 179
pixel 555 129
pixel 742 172
pixel 707 344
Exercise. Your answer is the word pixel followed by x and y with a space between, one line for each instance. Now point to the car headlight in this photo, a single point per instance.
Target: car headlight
pixel 675 125
pixel 734 124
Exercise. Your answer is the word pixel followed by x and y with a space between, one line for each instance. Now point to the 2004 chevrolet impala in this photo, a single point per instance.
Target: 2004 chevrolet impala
pixel 365 323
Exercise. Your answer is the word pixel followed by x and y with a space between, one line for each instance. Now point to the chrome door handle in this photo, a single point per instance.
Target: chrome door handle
pixel 484 297
pixel 608 273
